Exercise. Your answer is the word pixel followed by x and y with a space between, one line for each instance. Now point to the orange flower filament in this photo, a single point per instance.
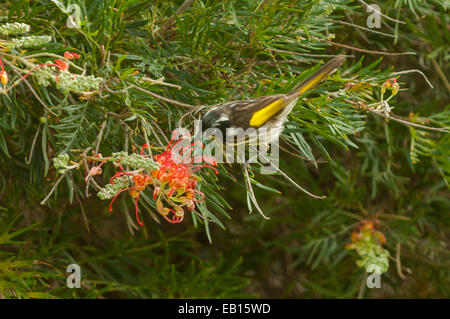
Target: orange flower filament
pixel 174 182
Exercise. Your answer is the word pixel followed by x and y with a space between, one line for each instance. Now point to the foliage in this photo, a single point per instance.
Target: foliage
pixel 373 138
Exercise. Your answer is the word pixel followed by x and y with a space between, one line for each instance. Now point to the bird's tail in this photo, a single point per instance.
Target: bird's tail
pixel 318 76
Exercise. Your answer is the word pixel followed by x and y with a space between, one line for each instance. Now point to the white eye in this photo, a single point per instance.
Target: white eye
pixel 223 118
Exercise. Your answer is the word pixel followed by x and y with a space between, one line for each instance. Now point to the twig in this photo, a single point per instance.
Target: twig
pixel 53 56
pixel 252 194
pixel 156 135
pixel 32 90
pixel 28 161
pixel 53 188
pixel 162 98
pixel 124 126
pixel 160 82
pixel 359 31
pixel 436 129
pixel 272 63
pixel 299 156
pixel 261 5
pixel 369 51
pixel 287 177
pixel 381 13
pixel 309 54
pixel 398 262
pixel 392 216
pixel 147 141
pixel 99 136
pixel 441 74
pixel 190 112
pixel 411 71
pixel 362 286
pixel 363 28
pixel 160 131
pixel 371 109
pixel 83 213
pixel 87 178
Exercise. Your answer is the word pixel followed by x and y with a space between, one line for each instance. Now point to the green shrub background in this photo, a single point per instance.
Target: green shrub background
pixel 217 51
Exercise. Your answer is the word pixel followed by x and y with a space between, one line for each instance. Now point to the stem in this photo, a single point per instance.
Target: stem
pixel 53 189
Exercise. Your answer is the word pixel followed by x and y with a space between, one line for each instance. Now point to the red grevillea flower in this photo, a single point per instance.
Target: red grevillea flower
pixel 366 230
pixel 62 65
pixel 3 75
pixel 390 84
pixel 71 55
pixel 4 78
pixel 174 182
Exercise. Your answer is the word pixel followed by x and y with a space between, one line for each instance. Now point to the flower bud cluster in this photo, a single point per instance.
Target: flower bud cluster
pixel 135 161
pixel 14 28
pixel 110 190
pixel 30 42
pixel 45 75
pixel 68 82
pixel 391 85
pixel 367 243
pixel 61 162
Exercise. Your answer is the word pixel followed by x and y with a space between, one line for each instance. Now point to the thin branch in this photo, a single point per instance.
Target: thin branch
pixel 287 177
pixel 309 54
pixel 436 129
pixel 32 90
pixel 160 131
pixel 398 262
pixel 371 109
pixel 156 135
pixel 125 127
pixel 441 74
pixel 362 287
pixel 359 31
pixel 412 71
pixel 162 98
pixel 99 136
pixel 381 13
pixel 36 55
pixel 299 156
pixel 252 194
pixel 147 141
pixel 87 178
pixel 369 51
pixel 83 213
pixel 28 161
pixel 363 28
pixel 53 188
pixel 160 82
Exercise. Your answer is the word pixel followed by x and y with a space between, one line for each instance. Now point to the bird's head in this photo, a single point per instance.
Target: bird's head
pixel 216 118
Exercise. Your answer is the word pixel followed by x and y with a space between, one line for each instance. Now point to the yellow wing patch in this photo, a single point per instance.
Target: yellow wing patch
pixel 261 116
pixel 312 82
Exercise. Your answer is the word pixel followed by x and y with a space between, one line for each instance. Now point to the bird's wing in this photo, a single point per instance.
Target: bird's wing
pixel 257 111
pixel 318 76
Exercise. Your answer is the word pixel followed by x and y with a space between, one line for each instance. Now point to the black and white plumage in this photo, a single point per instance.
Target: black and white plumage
pixel 267 112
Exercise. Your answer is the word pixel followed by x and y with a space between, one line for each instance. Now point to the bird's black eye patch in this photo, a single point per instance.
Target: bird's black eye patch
pixel 215 119
pixel 223 125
